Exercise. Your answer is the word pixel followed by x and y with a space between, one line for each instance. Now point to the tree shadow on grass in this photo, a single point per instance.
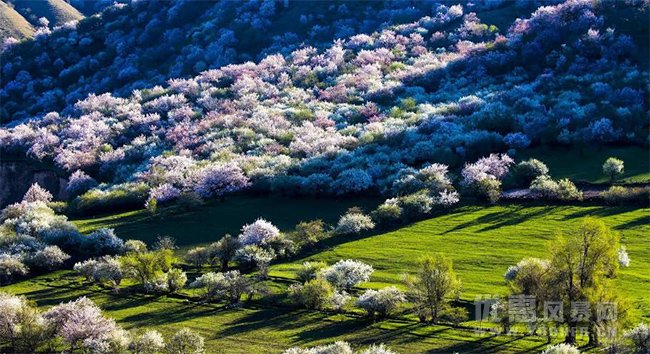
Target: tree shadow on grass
pixel 517 217
pixel 642 221
pixel 276 319
pixel 515 214
pixel 597 212
pixel 51 296
pixel 480 345
pixel 331 329
pixel 179 313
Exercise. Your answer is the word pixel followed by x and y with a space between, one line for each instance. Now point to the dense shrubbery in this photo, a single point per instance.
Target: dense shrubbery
pixel 139 45
pixel 34 238
pixel 547 188
pixel 617 195
pixel 355 117
pixel 80 325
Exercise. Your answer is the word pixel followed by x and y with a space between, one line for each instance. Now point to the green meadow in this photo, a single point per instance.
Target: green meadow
pixel 482 242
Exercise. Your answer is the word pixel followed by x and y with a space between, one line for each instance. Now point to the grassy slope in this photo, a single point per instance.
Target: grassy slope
pixel 482 241
pixel 12 24
pixel 260 329
pixel 587 165
pixel 57 11
pixel 210 222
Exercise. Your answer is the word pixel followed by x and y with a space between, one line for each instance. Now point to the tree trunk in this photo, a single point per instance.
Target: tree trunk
pixel 571 334
pixel 593 335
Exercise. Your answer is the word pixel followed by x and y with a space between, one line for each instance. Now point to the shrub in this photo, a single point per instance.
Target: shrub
pixel 11 267
pixel 149 342
pixel 164 193
pixel 310 232
pixel 102 242
pixel 36 193
pixel 568 191
pixel 309 270
pixel 388 213
pixel 224 250
pixel 176 280
pixel 416 205
pixel 346 274
pixel 561 349
pixel 339 299
pixel 314 294
pixel 50 257
pixel 618 195
pixel 185 341
pixel 639 337
pixel 136 246
pixel 612 168
pixel 547 188
pixel 489 189
pixel 253 255
pixel 106 269
pixel 228 286
pixel 119 197
pixel 623 257
pixel 259 233
pixel 86 268
pixel 456 315
pixel 526 171
pixel 198 256
pixel 79 183
pixel 335 348
pixel 380 302
pixel 218 180
pixel 352 181
pixel 353 223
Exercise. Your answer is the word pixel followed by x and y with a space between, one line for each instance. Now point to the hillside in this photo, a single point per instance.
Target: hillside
pixel 145 43
pixel 361 115
pixel 482 242
pixel 325 177
pixel 57 12
pixel 12 24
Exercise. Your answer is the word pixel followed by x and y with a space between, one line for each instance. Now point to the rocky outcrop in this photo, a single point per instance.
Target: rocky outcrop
pixel 17 176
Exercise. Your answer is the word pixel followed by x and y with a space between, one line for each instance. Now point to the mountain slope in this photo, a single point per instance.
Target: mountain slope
pixel 12 24
pixel 57 12
pixel 145 43
pixel 365 115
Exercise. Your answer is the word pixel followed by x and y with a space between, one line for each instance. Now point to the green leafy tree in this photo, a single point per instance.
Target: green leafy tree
pixel 431 288
pixel 224 250
pixel 581 261
pixel 146 266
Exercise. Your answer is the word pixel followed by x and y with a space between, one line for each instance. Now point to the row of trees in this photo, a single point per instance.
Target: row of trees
pixel 430 290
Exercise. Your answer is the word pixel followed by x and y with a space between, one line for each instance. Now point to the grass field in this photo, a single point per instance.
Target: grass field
pixel 482 241
pixel 586 165
pixel 13 24
pixel 57 12
pixel 210 222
